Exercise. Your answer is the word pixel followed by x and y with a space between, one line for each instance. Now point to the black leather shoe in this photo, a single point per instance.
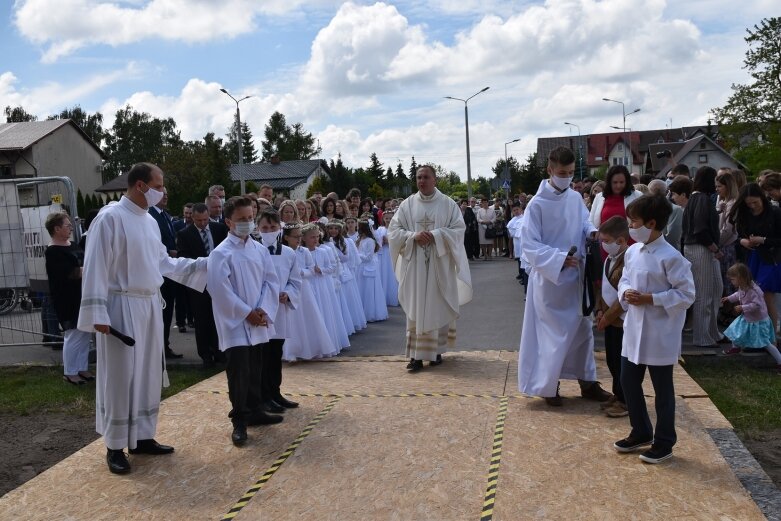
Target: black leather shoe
pixel 117 462
pixel 414 365
pixel 151 447
pixel 262 418
pixel 284 402
pixel 239 435
pixel 182 329
pixel 272 406
pixel 438 361
pixel 171 355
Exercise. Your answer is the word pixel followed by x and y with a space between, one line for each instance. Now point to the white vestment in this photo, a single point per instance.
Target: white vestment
pixel 556 340
pixel 514 231
pixel 434 281
pixel 124 265
pixel 288 271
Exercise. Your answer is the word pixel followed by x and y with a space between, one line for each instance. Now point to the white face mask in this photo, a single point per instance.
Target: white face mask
pixel 242 229
pixel 641 234
pixel 612 248
pixel 153 196
pixel 562 183
pixel 269 238
pixel 222 201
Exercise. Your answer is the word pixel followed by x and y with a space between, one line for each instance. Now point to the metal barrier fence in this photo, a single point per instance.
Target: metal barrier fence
pixel 27 316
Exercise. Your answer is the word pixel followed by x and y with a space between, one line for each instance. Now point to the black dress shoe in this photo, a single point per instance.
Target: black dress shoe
pixel 151 447
pixel 414 365
pixel 182 329
pixel 171 355
pixel 191 325
pixel 220 357
pixel 284 402
pixel 272 406
pixel 262 418
pixel 239 435
pixel 117 461
pixel 438 361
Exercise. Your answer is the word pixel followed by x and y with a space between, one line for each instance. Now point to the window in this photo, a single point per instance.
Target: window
pixel 620 147
pixel 703 158
pixel 615 161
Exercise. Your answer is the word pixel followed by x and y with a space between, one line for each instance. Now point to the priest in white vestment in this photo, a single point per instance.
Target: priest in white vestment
pixel 124 265
pixel 426 239
pixel 556 340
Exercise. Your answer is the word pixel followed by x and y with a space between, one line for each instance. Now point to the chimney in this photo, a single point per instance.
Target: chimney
pixel 275 159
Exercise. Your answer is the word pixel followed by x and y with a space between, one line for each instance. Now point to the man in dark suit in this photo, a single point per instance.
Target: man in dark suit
pixel 168 289
pixel 184 312
pixel 199 240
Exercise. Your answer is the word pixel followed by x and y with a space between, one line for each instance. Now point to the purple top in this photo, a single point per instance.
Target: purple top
pixel 753 303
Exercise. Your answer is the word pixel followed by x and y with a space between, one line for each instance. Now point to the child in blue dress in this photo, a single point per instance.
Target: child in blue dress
pixel 753 329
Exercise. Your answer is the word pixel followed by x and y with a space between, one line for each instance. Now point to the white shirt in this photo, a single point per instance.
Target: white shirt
pixel 652 333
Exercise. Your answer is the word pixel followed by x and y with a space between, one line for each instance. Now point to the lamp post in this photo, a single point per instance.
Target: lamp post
pixel 580 148
pixel 623 116
pixel 466 125
pixel 507 167
pixel 238 137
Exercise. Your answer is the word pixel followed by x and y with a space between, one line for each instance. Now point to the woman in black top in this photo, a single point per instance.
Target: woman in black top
pixel 700 236
pixel 64 261
pixel 471 238
pixel 758 224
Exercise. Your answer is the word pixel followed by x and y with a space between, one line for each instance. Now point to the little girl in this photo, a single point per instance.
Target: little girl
pixel 387 277
pixel 347 257
pixel 753 329
pixel 369 284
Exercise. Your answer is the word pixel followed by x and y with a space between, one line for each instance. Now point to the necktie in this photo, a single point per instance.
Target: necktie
pixel 205 239
pixel 607 267
pixel 271 250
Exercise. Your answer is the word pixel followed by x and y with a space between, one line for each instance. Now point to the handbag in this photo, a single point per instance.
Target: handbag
pixel 593 272
pixel 490 231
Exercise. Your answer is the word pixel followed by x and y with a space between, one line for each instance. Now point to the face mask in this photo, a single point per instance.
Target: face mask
pixel 641 234
pixel 242 229
pixel 269 238
pixel 668 182
pixel 153 196
pixel 562 183
pixel 612 248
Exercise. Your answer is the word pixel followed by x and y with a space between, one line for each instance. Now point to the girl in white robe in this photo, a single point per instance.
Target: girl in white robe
pixel 388 278
pixel 372 294
pixel 347 254
pixel 336 276
pixel 309 337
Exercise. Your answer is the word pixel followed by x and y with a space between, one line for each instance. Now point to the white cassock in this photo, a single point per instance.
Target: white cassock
pixel 514 230
pixel 434 281
pixel 556 340
pixel 288 271
pixel 124 265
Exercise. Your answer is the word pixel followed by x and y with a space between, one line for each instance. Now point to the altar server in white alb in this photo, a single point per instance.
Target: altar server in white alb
pixel 556 339
pixel 124 267
pixel 426 238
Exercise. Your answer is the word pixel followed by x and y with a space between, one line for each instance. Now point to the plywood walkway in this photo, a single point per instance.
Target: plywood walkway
pixel 370 441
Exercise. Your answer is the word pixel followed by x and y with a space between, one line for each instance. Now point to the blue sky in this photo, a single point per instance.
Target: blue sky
pixel 370 77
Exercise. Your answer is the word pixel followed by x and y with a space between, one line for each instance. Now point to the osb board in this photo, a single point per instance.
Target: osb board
pixel 560 464
pixel 201 480
pixel 386 459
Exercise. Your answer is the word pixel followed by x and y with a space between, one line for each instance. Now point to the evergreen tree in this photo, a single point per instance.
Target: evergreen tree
pixel 80 209
pixel 413 171
pixel 287 142
pixel 18 115
pixel 375 168
pixel 341 181
pixel 248 152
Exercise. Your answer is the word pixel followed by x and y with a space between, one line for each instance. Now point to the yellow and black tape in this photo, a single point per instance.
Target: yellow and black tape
pixel 394 395
pixel 493 469
pixel 254 489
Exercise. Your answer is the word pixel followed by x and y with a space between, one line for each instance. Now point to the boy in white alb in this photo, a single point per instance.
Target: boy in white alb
pixel 514 230
pixel 655 289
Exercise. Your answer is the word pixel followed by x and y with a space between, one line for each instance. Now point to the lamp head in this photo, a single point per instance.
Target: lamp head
pixel 224 91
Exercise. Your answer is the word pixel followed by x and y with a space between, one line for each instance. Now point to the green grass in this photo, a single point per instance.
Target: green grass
pixel 28 389
pixel 747 391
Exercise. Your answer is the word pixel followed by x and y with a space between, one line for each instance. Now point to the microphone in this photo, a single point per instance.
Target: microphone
pixel 128 341
pixel 572 251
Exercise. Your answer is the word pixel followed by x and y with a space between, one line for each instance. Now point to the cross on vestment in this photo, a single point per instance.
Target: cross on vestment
pixel 425 225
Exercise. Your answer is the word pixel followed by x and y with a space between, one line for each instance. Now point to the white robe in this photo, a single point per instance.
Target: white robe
pixel 388 278
pixel 124 267
pixel 347 260
pixel 369 284
pixel 556 340
pixel 434 281
pixel 514 230
pixel 327 300
pixel 289 276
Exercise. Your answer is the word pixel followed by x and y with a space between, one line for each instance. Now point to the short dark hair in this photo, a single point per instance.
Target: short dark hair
pixel 561 156
pixel 269 214
pixel 139 172
pixel 771 181
pixel 54 220
pixel 235 202
pixel 681 185
pixel 611 173
pixel 200 208
pixel 651 207
pixel 188 205
pixel 615 227
pixel 681 169
pixel 354 192
pixel 705 180
pixel 430 167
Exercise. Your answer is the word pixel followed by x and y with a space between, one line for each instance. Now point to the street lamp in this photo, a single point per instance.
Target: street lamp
pixel 580 147
pixel 466 125
pixel 238 137
pixel 623 115
pixel 506 166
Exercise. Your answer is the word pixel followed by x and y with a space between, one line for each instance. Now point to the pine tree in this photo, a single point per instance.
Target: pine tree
pixel 248 152
pixel 375 168
pixel 80 209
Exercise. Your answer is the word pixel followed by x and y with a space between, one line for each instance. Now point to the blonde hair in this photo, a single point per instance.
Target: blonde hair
pixel 741 272
pixel 292 204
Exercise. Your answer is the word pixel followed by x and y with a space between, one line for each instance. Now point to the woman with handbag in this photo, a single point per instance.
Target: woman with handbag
pixel 486 217
pixel 613 200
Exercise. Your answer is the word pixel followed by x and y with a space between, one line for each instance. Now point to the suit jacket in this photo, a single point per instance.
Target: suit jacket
pixel 613 313
pixel 166 225
pixel 190 245
pixel 179 225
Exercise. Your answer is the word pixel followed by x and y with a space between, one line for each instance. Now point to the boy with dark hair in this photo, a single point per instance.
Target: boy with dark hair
pixel 614 236
pixel 245 291
pixel 655 289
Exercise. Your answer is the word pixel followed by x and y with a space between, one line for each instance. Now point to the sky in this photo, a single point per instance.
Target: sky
pixel 369 77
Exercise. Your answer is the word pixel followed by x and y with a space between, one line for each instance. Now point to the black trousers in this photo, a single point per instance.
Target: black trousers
pixel 205 330
pixel 632 376
pixel 244 381
pixel 184 311
pixel 614 338
pixel 168 291
pixel 272 368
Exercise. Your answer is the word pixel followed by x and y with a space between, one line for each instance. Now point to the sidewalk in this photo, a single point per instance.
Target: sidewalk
pixel 373 442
